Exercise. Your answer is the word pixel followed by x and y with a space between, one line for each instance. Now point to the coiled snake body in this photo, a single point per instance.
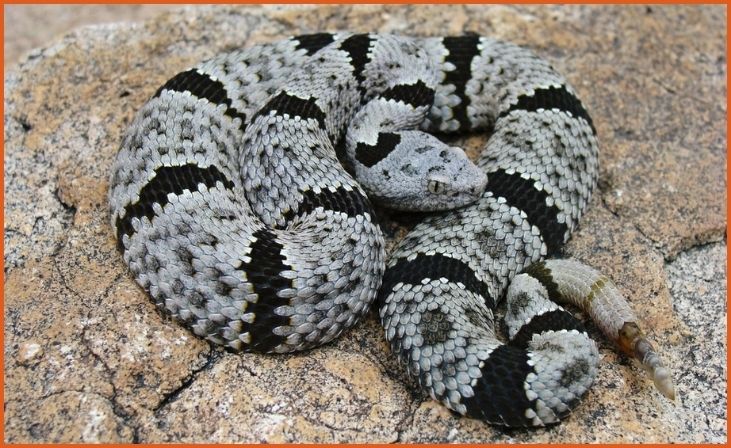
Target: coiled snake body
pixel 232 210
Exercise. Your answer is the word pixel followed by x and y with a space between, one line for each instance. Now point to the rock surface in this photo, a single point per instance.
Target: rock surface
pixel 30 26
pixel 89 358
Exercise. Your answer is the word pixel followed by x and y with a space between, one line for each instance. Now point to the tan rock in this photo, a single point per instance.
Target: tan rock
pixel 66 417
pixel 29 353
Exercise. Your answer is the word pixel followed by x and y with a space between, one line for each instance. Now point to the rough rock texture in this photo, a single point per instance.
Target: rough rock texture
pixel 30 26
pixel 89 358
pixel 697 281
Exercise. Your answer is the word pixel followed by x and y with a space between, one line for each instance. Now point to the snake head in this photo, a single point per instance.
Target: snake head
pixel 424 174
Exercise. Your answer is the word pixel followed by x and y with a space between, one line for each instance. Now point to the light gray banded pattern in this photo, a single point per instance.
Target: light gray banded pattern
pixel 232 210
pixel 444 278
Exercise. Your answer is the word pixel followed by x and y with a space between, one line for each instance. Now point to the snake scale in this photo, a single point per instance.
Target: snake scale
pixel 232 210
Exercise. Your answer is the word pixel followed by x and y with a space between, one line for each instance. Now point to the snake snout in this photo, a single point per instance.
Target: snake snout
pixel 480 183
pixel 468 180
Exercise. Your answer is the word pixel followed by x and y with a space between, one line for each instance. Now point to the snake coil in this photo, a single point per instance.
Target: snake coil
pixel 232 210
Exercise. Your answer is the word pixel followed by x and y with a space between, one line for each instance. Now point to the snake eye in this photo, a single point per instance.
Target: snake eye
pixel 436 186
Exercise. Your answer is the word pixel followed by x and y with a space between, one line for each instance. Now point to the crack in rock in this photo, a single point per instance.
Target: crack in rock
pixel 173 395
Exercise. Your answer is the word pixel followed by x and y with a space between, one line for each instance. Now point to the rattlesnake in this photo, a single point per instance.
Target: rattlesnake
pixel 233 212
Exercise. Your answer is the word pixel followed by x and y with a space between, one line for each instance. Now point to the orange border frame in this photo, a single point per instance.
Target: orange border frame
pixel 2 177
